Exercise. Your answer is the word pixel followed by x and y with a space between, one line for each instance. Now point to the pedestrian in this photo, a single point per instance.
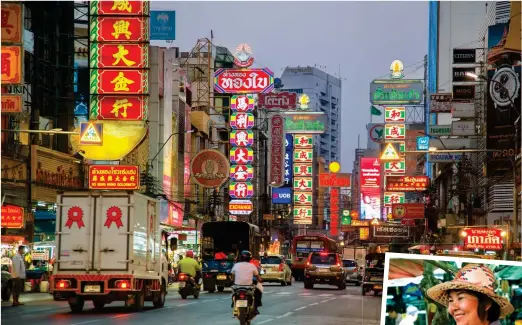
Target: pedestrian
pixel 393 318
pixel 18 275
pixel 412 314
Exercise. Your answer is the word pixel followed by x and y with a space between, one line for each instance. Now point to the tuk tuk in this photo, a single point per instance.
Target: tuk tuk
pixel 373 274
pixel 221 243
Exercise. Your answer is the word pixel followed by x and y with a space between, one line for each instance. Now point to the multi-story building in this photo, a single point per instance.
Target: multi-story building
pixel 324 91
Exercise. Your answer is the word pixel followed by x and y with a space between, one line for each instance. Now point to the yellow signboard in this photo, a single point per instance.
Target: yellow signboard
pixel 390 153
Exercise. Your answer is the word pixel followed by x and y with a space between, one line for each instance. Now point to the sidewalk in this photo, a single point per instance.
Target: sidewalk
pixel 42 296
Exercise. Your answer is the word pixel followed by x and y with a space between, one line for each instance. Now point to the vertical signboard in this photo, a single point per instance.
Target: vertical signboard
pixel 119 60
pixel 289 161
pixel 277 150
pixel 241 153
pixel 370 184
pixel 303 185
pixel 334 211
pixel 12 55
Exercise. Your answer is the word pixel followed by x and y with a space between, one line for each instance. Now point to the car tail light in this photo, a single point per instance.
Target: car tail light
pixel 63 284
pixel 281 267
pixel 307 263
pixel 123 284
pixel 339 264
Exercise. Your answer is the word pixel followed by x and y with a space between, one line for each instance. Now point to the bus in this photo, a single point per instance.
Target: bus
pixel 303 245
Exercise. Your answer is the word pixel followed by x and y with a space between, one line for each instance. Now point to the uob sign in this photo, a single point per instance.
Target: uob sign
pixel 282 195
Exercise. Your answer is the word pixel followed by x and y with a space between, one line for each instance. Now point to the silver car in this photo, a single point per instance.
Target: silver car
pixel 351 269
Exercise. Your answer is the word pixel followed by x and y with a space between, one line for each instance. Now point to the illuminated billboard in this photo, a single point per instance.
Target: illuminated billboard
pixel 370 182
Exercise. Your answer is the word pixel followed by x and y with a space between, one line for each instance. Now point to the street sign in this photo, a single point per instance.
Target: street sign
pixel 390 153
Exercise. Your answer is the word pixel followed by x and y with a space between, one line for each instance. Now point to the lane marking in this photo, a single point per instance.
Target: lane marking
pixel 314 304
pixel 322 302
pixel 285 315
pixel 89 321
pixel 326 295
pixel 300 308
pixel 266 321
pixel 188 303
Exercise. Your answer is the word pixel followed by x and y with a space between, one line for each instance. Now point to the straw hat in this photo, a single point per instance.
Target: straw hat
pixel 472 277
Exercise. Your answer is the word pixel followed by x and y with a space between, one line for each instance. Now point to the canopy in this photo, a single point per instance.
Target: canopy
pixel 512 273
pixel 404 268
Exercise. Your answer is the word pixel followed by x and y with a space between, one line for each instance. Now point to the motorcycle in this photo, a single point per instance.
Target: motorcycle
pixel 243 303
pixel 187 286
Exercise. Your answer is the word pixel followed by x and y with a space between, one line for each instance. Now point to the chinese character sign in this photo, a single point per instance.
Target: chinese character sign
pixel 119 60
pixel 12 23
pixel 12 64
pixel 289 161
pixel 334 211
pixel 241 153
pixel 277 150
pixel 303 178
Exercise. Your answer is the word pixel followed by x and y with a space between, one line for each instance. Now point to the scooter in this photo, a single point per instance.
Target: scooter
pixel 188 286
pixel 243 302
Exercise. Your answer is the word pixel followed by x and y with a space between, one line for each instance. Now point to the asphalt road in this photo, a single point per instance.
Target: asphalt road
pixel 322 305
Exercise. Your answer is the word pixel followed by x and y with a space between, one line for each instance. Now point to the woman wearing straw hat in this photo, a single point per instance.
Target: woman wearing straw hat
pixel 470 297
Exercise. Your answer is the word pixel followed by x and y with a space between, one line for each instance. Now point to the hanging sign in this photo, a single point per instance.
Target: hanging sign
pixel 394 132
pixel 282 100
pixel 114 177
pixel 395 167
pixel 407 183
pixel 303 141
pixel 12 216
pixel 241 121
pixel 483 238
pixel 240 207
pixel 335 180
pixel 126 108
pixel 242 138
pixel 242 103
pixel 394 114
pixel 11 57
pixel 241 190
pixel 277 150
pixel 391 198
pixel 241 156
pixel 390 153
pixel 303 198
pixel 236 81
pixel 303 184
pixel 11 104
pixel 114 55
pixel 209 168
pixel 303 170
pixel 119 29
pixel 117 8
pixel 303 155
pixel 241 173
pixel 12 22
pixel 303 215
pixel 91 133
pixel 119 81
pixel 408 210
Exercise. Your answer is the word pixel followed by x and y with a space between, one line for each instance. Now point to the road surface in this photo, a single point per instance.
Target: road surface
pixel 322 305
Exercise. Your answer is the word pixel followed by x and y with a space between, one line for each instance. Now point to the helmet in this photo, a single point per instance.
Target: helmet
pixel 190 254
pixel 245 256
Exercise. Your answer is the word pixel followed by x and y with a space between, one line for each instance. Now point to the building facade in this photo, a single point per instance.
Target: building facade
pixel 324 91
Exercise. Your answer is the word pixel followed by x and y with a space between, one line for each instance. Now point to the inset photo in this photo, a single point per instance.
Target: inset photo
pixel 443 290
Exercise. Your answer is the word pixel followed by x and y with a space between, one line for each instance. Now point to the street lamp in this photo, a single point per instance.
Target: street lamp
pixel 165 143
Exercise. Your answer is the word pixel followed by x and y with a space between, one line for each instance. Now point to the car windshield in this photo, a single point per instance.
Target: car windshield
pixel 349 263
pixel 271 260
pixel 329 259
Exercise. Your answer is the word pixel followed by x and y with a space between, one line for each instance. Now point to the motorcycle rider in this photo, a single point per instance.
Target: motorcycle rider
pixel 190 266
pixel 244 273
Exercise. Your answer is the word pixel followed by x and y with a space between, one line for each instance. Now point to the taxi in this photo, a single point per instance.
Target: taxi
pixel 276 270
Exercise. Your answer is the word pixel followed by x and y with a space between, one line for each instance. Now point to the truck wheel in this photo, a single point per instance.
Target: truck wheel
pixel 139 301
pixel 77 306
pixel 159 302
pixel 98 304
pixel 221 288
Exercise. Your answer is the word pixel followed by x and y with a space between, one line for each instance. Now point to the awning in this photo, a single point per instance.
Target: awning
pixel 512 273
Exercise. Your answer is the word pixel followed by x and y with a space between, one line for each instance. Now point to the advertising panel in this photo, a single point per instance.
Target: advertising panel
pixel 407 183
pixel 463 128
pixel 11 104
pixel 394 132
pixel 463 110
pixel 335 180
pixel 391 198
pixel 127 108
pixel 499 119
pixel 334 211
pixel 282 100
pixel 114 177
pixel 119 55
pixel 282 195
pixel 118 29
pixel 460 74
pixel 242 103
pixel 441 102
pixel 241 173
pixel 445 157
pixel 117 8
pixel 389 230
pixel 440 130
pixel 240 207
pixel 370 188
pixel 303 215
pixel 238 81
pixel 241 121
pixel 303 170
pixel 210 168
pixel 303 198
pixel 483 238
pixel 303 141
pixel 423 143
pixel 463 92
pixel 408 211
pixel 241 190
pixel 395 167
pixel 303 155
pixel 163 25
pixel 12 215
pixel 242 138
pixel 464 56
pixel 277 150
pixel 12 57
pixel 12 25
pixel 306 123
pixel 289 160
pixel 394 114
pixel 396 92
pixel 123 81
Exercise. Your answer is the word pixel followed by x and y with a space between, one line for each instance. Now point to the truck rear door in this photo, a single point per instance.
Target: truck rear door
pixel 111 244
pixel 75 224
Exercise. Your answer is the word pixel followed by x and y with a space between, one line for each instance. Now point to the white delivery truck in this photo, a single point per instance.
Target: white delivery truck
pixel 109 248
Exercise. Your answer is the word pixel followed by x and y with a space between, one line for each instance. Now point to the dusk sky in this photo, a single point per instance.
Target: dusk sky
pixel 363 37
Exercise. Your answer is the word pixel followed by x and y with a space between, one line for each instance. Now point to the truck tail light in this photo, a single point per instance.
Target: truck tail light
pixel 122 284
pixel 63 284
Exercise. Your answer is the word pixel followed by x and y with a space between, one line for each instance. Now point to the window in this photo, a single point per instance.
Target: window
pixel 330 259
pixel 271 260
pixel 349 263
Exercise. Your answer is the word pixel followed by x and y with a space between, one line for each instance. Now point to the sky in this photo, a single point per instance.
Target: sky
pixel 363 37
